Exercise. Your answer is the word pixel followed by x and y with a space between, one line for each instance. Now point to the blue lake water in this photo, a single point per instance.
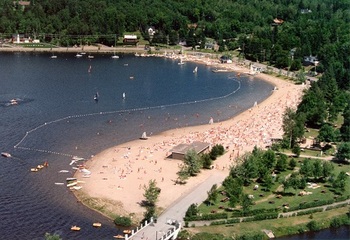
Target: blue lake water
pixel 56 118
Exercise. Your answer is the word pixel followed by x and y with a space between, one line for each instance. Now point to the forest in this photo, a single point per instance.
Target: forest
pixel 304 27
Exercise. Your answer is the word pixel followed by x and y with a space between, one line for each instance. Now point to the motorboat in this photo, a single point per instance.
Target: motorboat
pixel 78 55
pixel 91 57
pixel 127 231
pixel 96 224
pixel 34 169
pixel 115 56
pixel 5 154
pixel 195 70
pixel 75 228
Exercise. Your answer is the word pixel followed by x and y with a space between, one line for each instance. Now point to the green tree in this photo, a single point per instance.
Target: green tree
pixel 345 127
pixel 282 164
pixel 192 163
pixel 340 182
pixel 327 169
pixel 151 193
pixel 192 210
pixel 246 203
pixel 327 134
pixel 292 163
pixel 212 195
pixel 293 126
pixel 206 160
pixel 343 152
pixel 307 168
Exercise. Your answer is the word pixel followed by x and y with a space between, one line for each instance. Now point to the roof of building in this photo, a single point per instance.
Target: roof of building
pixel 184 148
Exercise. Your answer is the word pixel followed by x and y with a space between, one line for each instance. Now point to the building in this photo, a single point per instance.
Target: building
pixel 179 151
pixel 310 60
pixel 130 39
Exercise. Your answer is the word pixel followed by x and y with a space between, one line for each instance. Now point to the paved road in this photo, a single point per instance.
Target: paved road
pixel 178 209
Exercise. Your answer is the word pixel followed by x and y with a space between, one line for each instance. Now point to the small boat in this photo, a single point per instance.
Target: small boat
pixel 96 97
pixel 78 55
pixel 91 57
pixel 195 70
pixel 119 236
pixel 59 183
pixel 124 96
pixel 181 62
pixel 34 169
pixel 75 228
pixel 72 184
pixel 13 102
pixel 71 179
pixel 76 188
pixel 40 166
pixel 127 231
pixel 53 56
pixel 96 224
pixel 5 154
pixel 144 136
pixel 63 171
pixel 115 56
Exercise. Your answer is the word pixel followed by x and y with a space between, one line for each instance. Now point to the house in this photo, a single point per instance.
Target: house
pixel 130 39
pixel 304 11
pixel 151 31
pixel 179 151
pixel 310 60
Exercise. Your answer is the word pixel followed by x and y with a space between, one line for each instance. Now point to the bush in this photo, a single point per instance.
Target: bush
pixel 123 221
pixel 216 151
pixel 192 210
pixel 313 226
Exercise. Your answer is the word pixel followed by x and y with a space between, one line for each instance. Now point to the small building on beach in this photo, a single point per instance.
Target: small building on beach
pixel 179 151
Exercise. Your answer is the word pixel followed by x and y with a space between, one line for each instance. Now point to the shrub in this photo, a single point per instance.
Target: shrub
pixel 123 221
pixel 313 226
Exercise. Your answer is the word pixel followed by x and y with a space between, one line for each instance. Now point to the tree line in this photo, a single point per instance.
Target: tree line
pixel 308 27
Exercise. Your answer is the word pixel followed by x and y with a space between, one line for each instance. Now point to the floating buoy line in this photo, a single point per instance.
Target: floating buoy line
pixel 17 146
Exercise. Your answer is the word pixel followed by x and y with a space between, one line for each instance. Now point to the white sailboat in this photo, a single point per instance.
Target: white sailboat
pixel 195 70
pixel 144 136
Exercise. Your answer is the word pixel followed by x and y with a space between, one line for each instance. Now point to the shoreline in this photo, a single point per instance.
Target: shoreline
pixel 120 173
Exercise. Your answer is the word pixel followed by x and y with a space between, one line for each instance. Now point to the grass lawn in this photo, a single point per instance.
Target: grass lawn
pixel 280 227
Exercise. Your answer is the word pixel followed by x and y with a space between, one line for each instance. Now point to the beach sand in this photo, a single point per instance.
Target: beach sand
pixel 120 173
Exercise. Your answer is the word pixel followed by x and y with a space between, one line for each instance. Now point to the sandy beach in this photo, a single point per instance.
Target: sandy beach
pixel 119 174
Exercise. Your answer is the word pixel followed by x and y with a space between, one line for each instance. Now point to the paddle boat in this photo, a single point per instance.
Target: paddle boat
pixel 119 236
pixel 75 228
pixel 97 224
